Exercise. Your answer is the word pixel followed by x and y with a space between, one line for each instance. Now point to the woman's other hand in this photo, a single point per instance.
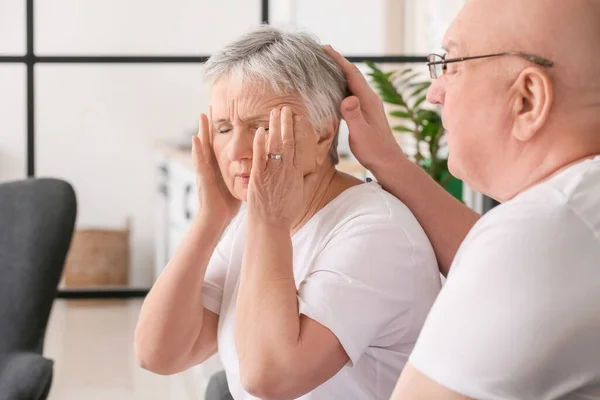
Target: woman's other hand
pixel 215 199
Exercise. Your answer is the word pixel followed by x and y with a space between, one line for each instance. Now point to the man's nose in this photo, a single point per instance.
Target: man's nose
pixel 436 92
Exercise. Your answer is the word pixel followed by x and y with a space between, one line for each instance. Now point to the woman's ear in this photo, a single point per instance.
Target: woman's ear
pixel 325 140
pixel 533 101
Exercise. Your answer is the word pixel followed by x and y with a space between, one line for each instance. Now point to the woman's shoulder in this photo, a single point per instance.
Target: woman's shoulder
pixel 368 207
pixel 371 200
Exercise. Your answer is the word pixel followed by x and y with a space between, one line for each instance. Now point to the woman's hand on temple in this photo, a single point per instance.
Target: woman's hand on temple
pixel 216 201
pixel 276 189
pixel 371 139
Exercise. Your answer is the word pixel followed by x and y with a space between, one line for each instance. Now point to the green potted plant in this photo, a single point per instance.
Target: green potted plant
pixel 406 92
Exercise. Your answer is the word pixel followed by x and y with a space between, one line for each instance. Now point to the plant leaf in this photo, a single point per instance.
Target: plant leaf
pixel 419 101
pixel 400 114
pixel 384 86
pixel 393 100
pixel 400 128
pixel 420 89
pixel 408 79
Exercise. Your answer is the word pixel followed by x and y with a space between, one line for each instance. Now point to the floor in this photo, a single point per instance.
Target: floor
pixel 91 343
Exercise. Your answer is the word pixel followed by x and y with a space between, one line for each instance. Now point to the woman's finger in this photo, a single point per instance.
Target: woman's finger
pixel 275 145
pixel 259 152
pixel 204 135
pixel 299 138
pixel 197 154
pixel 210 126
pixel 287 135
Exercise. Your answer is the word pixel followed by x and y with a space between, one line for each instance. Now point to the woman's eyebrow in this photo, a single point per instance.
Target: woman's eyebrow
pixel 256 118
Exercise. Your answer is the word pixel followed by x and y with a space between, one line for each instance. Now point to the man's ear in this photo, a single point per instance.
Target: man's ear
pixel 325 139
pixel 532 102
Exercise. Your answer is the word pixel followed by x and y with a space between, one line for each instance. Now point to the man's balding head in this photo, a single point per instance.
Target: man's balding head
pixel 511 122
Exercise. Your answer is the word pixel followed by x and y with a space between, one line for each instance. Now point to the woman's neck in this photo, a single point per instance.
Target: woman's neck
pixel 323 188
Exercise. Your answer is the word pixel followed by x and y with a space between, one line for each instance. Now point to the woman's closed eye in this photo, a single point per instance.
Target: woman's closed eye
pixel 225 129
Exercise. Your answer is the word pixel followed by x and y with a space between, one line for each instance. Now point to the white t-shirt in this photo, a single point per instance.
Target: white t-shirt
pixel 519 316
pixel 384 283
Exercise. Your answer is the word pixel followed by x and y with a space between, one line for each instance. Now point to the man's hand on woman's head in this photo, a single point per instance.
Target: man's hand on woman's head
pixel 215 199
pixel 371 138
pixel 277 179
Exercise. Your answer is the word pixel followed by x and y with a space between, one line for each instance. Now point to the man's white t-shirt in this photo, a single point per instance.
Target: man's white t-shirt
pixel 519 316
pixel 364 269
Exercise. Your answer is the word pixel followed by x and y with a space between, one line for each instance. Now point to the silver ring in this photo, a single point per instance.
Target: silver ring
pixel 273 156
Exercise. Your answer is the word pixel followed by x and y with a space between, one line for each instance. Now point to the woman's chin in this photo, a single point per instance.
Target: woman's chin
pixel 241 194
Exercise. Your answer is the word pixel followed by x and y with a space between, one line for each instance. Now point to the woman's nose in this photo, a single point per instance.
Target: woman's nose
pixel 436 93
pixel 240 146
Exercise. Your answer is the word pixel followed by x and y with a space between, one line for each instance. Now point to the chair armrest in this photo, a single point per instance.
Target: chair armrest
pixel 24 376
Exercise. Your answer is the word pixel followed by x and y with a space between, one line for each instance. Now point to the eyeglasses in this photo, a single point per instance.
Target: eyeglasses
pixel 438 64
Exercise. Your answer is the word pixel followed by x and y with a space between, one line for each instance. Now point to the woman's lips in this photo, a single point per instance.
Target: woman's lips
pixel 244 178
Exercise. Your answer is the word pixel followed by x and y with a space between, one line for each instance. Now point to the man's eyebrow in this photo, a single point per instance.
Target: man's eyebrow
pixel 450 45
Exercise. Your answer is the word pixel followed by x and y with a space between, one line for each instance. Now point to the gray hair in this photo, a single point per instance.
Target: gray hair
pixel 289 62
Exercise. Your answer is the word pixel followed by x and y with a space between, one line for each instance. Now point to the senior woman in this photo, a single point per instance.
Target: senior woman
pixel 308 282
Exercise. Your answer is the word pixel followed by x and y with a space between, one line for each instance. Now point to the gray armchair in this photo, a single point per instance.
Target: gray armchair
pixel 37 217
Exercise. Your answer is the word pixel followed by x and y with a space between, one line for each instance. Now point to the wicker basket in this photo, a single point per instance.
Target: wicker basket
pixel 98 257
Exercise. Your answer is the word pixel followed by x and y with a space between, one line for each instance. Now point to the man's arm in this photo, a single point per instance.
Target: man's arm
pixel 446 221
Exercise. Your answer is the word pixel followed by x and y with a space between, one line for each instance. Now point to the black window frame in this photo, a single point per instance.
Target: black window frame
pixel 30 60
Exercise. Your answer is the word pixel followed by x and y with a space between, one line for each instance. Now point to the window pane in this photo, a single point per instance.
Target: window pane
pixel 12 27
pixel 13 119
pixel 355 27
pixel 426 23
pixel 116 27
pixel 375 28
pixel 97 127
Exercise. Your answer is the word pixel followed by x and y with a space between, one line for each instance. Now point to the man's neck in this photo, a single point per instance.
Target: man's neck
pixel 549 166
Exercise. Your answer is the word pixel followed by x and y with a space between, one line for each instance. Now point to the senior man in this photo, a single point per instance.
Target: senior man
pixel 519 317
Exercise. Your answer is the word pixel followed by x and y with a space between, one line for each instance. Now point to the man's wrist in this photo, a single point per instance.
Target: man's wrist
pixel 392 160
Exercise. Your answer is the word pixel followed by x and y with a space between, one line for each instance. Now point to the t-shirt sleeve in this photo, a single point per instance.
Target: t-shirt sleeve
pixel 216 272
pixel 360 282
pixel 500 328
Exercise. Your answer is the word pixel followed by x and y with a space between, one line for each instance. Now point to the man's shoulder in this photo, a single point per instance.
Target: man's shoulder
pixel 536 236
pixel 532 216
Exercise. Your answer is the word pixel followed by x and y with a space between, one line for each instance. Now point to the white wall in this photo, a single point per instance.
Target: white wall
pixel 95 124
pixel 95 128
pixel 13 129
pixel 140 26
pixel 426 23
pixel 12 27
pixel 12 92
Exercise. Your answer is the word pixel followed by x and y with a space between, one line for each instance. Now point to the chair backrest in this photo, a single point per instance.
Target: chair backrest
pixel 37 218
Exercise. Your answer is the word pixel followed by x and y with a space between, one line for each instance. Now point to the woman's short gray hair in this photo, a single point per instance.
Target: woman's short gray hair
pixel 290 62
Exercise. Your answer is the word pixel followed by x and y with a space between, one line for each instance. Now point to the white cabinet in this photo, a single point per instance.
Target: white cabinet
pixel 175 209
pixel 177 200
